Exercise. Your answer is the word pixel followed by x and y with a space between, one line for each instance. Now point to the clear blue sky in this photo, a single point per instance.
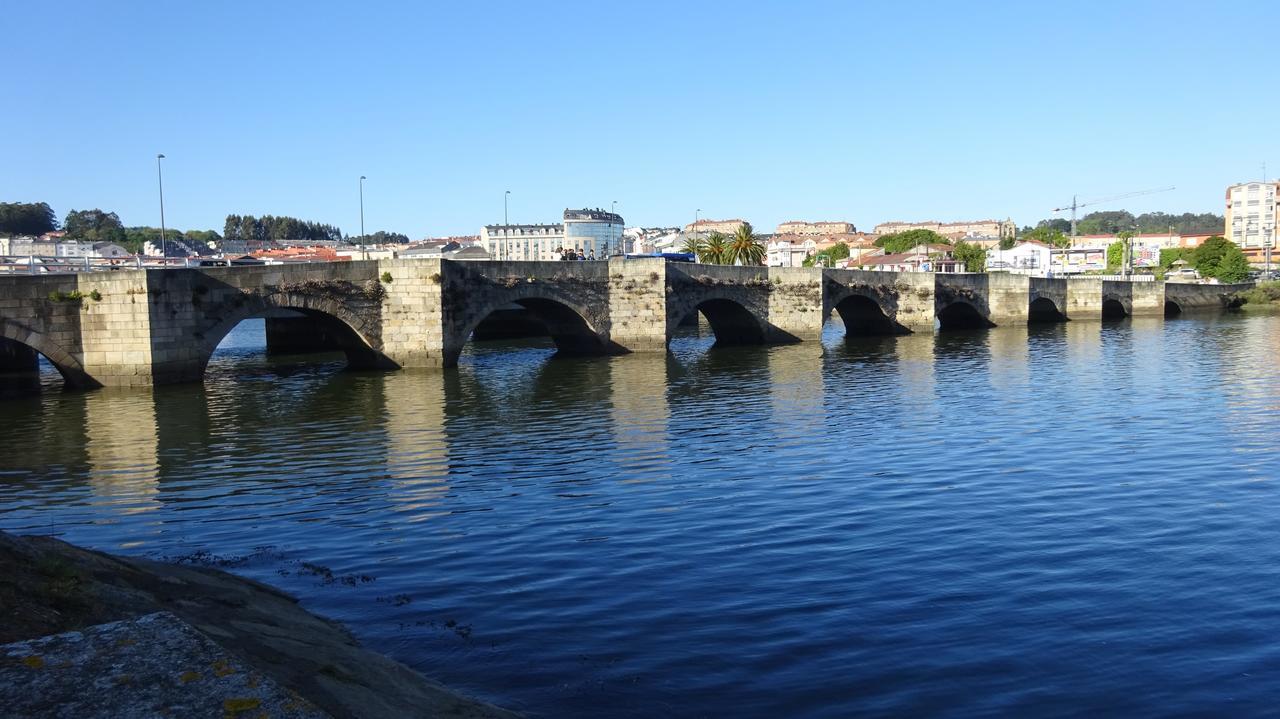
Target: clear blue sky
pixel 772 111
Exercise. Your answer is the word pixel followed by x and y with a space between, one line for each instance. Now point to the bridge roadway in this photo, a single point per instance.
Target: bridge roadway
pixel 142 327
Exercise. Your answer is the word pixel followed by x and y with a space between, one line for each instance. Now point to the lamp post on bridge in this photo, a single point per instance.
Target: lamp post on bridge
pixel 160 178
pixel 364 241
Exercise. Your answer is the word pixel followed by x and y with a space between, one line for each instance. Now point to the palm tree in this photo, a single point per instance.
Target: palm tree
pixel 715 251
pixel 745 248
pixel 693 245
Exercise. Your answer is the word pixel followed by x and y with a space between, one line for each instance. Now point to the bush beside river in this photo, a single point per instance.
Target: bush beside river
pixel 1265 294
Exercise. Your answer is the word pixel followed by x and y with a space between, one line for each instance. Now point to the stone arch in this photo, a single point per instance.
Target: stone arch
pixel 730 320
pixel 71 369
pixel 568 323
pixel 962 315
pixel 863 316
pixel 1044 309
pixel 1114 308
pixel 1171 308
pixel 355 338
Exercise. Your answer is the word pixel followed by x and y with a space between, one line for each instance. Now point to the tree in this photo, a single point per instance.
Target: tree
pixel 231 229
pixel 1105 223
pixel 693 245
pixel 1115 255
pixel 1170 255
pixel 382 237
pixel 26 218
pixel 1234 266
pixel 745 248
pixel 715 249
pixel 896 242
pixel 94 226
pixel 1048 235
pixel 1155 223
pixel 827 257
pixel 1209 254
pixel 973 256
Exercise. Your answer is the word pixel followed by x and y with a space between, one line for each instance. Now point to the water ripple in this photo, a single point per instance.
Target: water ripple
pixel 1054 520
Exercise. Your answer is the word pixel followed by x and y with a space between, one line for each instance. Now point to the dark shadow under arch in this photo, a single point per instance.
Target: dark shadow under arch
pixel 1043 309
pixel 732 323
pixel 27 346
pixel 863 317
pixel 328 334
pixel 1172 309
pixel 20 370
pixel 567 328
pixel 566 325
pixel 962 316
pixel 1113 309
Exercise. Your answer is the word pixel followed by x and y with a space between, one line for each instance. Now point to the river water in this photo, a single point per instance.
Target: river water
pixel 1065 519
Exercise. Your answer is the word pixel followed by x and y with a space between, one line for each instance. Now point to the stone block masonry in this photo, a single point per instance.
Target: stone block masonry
pixel 142 327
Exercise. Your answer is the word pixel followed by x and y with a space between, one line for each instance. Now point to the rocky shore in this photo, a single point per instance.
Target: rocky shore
pixel 50 587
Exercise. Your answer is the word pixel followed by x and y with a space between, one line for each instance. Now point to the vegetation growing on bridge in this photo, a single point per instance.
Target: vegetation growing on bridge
pixel 72 296
pixel 1264 295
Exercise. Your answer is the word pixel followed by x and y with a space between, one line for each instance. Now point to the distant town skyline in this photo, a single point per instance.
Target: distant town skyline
pixel 864 115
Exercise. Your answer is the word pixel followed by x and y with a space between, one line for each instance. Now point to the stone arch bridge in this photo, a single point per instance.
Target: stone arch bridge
pixel 141 327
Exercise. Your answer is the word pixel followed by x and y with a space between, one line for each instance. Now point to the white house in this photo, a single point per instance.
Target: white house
pixel 789 250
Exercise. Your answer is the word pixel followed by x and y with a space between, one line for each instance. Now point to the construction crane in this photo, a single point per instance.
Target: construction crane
pixel 1077 205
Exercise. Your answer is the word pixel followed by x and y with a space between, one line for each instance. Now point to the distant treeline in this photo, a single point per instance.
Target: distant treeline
pixel 270 227
pixel 26 218
pixel 37 218
pixel 1113 221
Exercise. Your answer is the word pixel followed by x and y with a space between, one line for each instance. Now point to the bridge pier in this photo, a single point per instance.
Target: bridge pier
pixel 142 327
pixel 1084 298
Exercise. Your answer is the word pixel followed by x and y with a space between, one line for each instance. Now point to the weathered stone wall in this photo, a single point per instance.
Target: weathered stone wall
pixel 1137 298
pixel 412 311
pixel 1008 297
pixel 638 303
pixel 1148 298
pixel 1053 289
pixel 1084 299
pixel 570 298
pixel 735 300
pixel 31 317
pixel 192 310
pixel 117 328
pixel 134 327
pixel 968 289
pixel 905 298
pixel 796 306
pixel 1187 296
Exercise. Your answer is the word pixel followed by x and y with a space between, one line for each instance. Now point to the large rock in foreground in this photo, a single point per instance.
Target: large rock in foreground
pixel 152 666
pixel 48 587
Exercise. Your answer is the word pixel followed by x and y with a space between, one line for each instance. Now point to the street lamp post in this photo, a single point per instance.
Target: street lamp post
pixel 613 210
pixel 364 241
pixel 160 179
pixel 506 223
